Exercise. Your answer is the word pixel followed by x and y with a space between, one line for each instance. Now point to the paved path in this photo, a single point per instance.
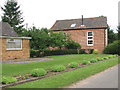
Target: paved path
pixel 105 79
pixel 27 60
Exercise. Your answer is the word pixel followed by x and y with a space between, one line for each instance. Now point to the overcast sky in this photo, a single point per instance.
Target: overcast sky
pixel 44 13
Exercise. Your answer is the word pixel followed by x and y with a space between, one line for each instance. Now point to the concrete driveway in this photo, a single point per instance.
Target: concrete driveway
pixel 105 79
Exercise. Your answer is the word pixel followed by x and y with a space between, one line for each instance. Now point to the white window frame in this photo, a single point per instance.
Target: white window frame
pixel 14 48
pixel 90 39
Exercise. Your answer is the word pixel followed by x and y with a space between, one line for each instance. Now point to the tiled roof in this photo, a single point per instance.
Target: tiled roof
pixel 96 22
pixel 7 30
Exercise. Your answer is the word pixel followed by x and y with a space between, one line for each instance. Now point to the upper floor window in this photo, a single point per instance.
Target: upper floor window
pixel 90 38
pixel 14 44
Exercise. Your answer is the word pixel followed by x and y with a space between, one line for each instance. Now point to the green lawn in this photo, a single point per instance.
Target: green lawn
pixel 24 68
pixel 68 78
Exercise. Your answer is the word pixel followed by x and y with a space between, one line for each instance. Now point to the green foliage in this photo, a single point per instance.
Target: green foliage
pixel 95 51
pixel 60 52
pixel 8 79
pixel 58 68
pixel 13 15
pixel 85 62
pixel 105 58
pixel 58 39
pixel 36 53
pixel 99 58
pixel 113 48
pixel 40 53
pixel 40 38
pixel 93 60
pixel 111 36
pixel 114 55
pixel 73 65
pixel 118 32
pixel 70 44
pixel 38 72
pixel 110 56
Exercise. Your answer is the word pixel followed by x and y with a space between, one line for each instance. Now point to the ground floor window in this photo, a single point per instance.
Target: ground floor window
pixel 14 44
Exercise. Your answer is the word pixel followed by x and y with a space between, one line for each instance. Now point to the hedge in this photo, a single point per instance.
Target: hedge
pixel 113 48
pixel 39 53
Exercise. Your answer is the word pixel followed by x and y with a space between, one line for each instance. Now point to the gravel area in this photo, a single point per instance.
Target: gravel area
pixel 27 60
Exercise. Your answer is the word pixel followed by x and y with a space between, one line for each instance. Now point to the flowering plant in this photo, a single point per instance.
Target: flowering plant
pixel 87 51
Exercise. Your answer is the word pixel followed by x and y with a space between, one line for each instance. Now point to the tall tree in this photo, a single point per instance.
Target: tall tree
pixel 13 15
pixel 111 35
pixel 119 32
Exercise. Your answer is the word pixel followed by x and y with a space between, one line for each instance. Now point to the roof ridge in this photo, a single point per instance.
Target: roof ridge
pixel 81 18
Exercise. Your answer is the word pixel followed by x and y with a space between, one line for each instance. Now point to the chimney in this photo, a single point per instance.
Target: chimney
pixel 82 25
pixel 82 19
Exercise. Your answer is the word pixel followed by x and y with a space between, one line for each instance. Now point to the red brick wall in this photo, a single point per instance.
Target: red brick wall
pixel 80 36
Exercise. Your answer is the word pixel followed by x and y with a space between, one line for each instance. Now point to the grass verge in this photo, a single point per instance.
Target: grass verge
pixel 68 78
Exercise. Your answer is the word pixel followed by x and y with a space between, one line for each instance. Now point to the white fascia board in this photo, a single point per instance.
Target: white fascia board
pixel 15 37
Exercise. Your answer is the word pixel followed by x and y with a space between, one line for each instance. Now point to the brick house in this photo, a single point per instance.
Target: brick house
pixel 91 33
pixel 13 46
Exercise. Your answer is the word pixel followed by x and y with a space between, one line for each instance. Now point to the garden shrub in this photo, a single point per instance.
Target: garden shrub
pixel 93 60
pixel 85 62
pixel 114 55
pixel 105 57
pixel 99 58
pixel 95 51
pixel 113 48
pixel 72 45
pixel 35 53
pixel 39 53
pixel 82 51
pixel 73 65
pixel 110 56
pixel 8 79
pixel 60 52
pixel 38 72
pixel 90 51
pixel 58 68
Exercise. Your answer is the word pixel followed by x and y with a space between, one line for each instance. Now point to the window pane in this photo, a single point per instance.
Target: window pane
pixel 14 43
pixel 89 33
pixel 90 37
pixel 90 42
pixel 73 25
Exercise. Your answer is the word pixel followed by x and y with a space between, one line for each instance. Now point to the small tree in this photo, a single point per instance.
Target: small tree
pixel 61 39
pixel 57 39
pixel 40 38
pixel 12 15
pixel 70 44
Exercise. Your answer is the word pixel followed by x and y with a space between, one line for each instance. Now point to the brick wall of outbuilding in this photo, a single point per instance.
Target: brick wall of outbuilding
pixel 16 54
pixel 80 36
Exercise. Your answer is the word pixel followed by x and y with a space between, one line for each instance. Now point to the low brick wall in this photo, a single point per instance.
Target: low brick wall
pixel 16 54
